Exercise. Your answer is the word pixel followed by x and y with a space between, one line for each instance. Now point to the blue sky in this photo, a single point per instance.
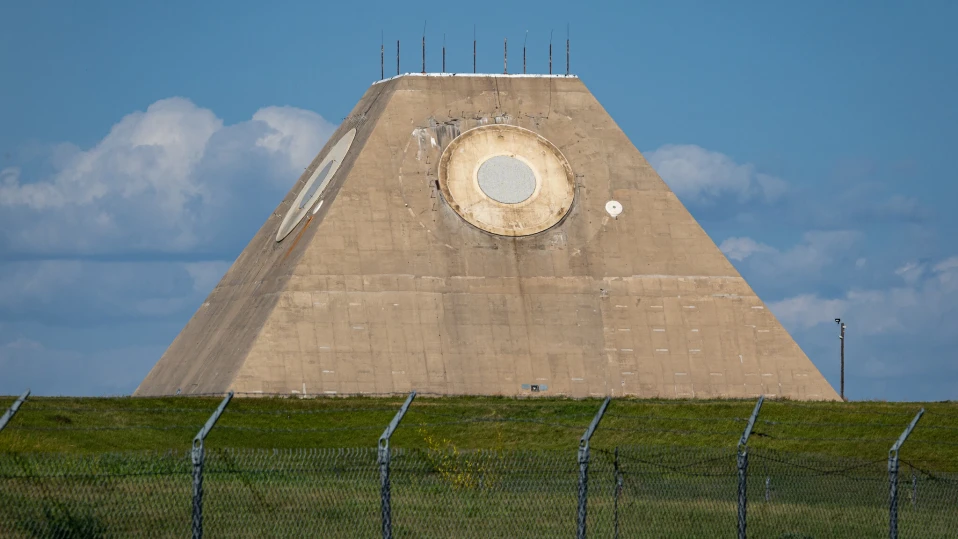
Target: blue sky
pixel 143 143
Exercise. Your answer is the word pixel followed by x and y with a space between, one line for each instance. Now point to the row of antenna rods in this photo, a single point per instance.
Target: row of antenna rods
pixel 505 56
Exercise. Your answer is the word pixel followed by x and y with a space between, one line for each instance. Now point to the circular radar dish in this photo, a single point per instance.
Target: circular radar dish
pixel 312 192
pixel 506 180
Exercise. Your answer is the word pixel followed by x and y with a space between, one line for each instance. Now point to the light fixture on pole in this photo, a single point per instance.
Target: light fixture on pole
pixel 842 339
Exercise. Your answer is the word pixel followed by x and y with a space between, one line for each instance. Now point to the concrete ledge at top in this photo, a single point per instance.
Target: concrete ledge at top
pixel 508 75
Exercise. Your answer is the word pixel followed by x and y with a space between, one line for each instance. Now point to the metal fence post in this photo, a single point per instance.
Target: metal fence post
pixel 893 476
pixel 618 492
pixel 12 411
pixel 383 459
pixel 198 455
pixel 742 459
pixel 584 465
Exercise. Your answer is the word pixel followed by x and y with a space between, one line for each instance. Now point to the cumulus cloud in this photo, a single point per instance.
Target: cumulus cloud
pixel 816 251
pixel 295 134
pixel 150 151
pixel 105 252
pixel 89 291
pixel 925 303
pixel 808 310
pixel 206 274
pixel 35 282
pixel 700 176
pixel 90 327
pixel 911 272
pixel 169 179
pixel 896 208
pixel 742 248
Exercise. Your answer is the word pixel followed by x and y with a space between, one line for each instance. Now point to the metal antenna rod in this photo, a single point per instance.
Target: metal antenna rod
pixel 444 53
pixel 424 47
pixel 842 337
pixel 397 56
pixel 505 56
pixel 566 49
pixel 473 48
pixel 382 56
pixel 550 51
pixel 524 53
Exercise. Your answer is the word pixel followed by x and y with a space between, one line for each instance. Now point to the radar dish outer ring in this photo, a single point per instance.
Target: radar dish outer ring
pixel 335 155
pixel 458 180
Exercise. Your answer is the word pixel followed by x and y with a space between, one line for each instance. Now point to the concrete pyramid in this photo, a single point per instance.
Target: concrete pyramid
pixel 483 234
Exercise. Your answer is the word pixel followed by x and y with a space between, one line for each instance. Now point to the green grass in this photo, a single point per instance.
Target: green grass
pixel 80 466
pixel 93 467
pixel 862 430
pixel 332 493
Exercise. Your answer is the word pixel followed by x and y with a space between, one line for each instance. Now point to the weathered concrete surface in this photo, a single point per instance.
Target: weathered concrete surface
pixel 387 289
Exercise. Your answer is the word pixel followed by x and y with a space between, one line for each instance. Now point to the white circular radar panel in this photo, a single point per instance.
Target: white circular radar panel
pixel 311 193
pixel 613 207
pixel 506 180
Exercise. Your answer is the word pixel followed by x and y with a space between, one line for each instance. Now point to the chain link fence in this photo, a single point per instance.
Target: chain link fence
pixel 653 492
pixel 443 491
pixel 109 495
pixel 632 492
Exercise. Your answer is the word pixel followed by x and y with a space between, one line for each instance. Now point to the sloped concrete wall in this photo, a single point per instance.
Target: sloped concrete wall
pixel 387 289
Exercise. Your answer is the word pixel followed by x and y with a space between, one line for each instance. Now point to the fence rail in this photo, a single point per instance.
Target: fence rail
pixel 633 491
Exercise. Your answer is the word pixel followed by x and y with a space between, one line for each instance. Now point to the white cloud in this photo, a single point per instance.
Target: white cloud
pixel 946 266
pixel 36 282
pixel 896 208
pixel 22 344
pixel 808 310
pixel 295 133
pixel 742 248
pixel 165 179
pixel 816 251
pixel 152 151
pixel 92 291
pixel 926 304
pixel 170 179
pixel 207 274
pixel 911 272
pixel 699 175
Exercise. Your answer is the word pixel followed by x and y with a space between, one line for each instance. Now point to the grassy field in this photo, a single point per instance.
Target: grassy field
pixel 255 493
pixel 862 429
pixel 92 467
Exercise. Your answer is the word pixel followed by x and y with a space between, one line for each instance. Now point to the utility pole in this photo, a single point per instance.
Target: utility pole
pixel 841 337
